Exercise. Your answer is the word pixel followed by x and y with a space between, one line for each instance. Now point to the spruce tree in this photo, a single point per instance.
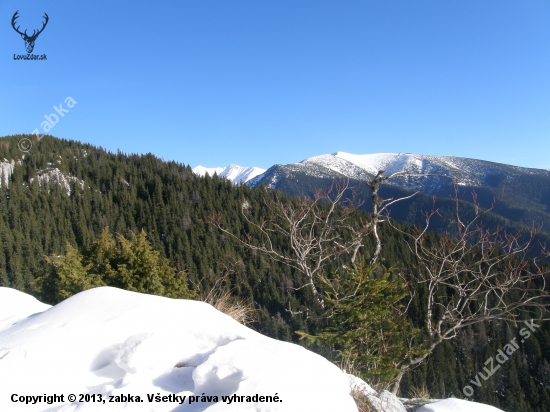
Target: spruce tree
pixel 366 326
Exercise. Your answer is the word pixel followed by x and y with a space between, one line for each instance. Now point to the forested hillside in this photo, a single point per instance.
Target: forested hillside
pixel 89 189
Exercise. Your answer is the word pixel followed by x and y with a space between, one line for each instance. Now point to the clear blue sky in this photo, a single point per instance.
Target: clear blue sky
pixel 259 82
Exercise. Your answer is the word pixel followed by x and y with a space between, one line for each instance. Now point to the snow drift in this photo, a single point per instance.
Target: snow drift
pixel 117 350
pixel 121 344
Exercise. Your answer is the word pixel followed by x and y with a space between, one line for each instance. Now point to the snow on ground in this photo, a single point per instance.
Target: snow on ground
pixel 6 169
pixel 111 342
pixel 457 405
pixel 15 306
pixel 387 402
pixel 370 162
pixel 57 176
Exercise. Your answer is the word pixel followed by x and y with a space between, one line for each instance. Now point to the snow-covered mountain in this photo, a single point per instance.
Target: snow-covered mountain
pixel 523 194
pixel 108 349
pixel 237 174
pixel 445 170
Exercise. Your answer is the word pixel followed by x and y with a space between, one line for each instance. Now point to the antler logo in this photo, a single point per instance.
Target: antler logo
pixel 29 40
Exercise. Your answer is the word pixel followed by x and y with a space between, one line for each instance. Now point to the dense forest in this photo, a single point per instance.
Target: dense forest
pixel 68 192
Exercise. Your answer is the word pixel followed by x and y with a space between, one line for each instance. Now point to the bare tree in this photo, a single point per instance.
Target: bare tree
pixel 319 231
pixel 380 206
pixel 474 276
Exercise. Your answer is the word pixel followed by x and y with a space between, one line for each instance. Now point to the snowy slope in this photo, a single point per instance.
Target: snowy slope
pixel 107 341
pixel 235 173
pixel 445 170
pixel 16 306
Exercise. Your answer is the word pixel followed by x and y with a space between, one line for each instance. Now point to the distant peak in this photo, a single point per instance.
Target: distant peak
pixel 237 174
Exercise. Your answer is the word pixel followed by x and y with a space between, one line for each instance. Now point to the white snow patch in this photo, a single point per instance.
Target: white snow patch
pixel 380 402
pixel 370 162
pixel 6 169
pixel 113 342
pixel 359 384
pixel 203 171
pixel 457 405
pixel 58 177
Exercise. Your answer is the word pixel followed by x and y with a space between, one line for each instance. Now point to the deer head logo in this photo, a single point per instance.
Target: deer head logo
pixel 29 40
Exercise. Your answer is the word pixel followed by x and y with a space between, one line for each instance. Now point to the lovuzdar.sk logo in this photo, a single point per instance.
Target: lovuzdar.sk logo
pixel 29 40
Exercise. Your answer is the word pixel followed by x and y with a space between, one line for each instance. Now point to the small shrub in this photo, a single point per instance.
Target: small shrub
pixel 419 392
pixel 223 301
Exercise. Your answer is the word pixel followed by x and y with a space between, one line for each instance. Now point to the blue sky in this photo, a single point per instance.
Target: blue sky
pixel 259 82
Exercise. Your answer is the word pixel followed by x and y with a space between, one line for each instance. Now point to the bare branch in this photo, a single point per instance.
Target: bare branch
pixel 319 231
pixel 478 275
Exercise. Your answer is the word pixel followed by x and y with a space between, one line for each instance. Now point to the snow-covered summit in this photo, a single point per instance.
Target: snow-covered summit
pixel 465 171
pixel 237 174
pixel 442 170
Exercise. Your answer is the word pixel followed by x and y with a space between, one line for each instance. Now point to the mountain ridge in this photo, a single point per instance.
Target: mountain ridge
pixel 521 194
pixel 457 170
pixel 128 193
pixel 237 174
pixel 460 170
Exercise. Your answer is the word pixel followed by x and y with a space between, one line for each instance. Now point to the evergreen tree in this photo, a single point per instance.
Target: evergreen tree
pixel 130 264
pixel 366 324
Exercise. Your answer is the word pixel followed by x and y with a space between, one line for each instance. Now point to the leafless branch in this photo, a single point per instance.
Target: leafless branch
pixel 319 231
pixel 477 275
